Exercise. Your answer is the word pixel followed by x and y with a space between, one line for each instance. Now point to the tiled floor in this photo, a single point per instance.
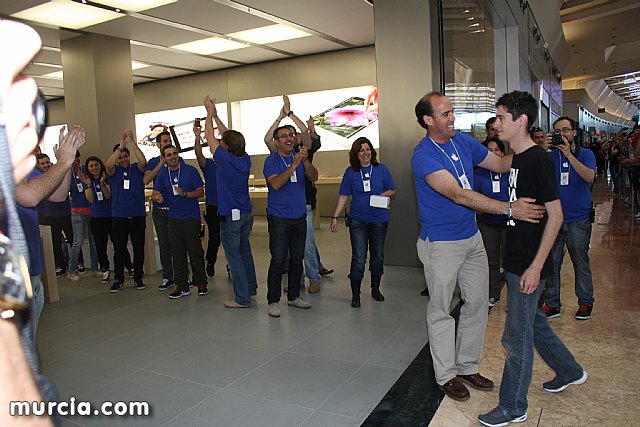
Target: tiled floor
pixel 199 364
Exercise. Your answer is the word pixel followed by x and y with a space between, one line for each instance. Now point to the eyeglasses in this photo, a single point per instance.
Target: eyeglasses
pixel 565 130
pixel 290 135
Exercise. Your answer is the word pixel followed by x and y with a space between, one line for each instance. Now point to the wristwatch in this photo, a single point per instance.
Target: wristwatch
pixel 16 293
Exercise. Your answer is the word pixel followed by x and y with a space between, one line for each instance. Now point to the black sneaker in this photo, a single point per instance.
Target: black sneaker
pixel 202 290
pixel 166 284
pixel 211 270
pixel 61 271
pixel 130 272
pixel 493 301
pixel 140 286
pixel 177 293
pixel 558 384
pixel 81 268
pixel 584 311
pixel 551 312
pixel 115 287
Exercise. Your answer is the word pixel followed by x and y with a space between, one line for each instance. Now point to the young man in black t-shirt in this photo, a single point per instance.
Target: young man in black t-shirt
pixel 527 266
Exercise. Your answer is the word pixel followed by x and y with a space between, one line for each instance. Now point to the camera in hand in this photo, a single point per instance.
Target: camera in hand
pixel 556 139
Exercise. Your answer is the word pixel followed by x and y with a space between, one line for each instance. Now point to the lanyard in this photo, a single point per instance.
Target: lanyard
pixel 498 177
pixel 127 175
pixel 447 156
pixel 370 173
pixel 283 161
pixel 170 180
pixel 560 156
pixel 76 178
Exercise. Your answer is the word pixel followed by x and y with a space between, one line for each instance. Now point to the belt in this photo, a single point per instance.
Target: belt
pixel 162 208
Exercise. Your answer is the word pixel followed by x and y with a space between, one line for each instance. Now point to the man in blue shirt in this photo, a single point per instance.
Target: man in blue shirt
pixel 160 214
pixel 450 245
pixel 180 186
pixel 127 208
pixel 286 206
pixel 576 171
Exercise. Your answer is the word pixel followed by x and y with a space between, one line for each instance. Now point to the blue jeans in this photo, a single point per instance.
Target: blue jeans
pixel 577 236
pixel 237 249
pixel 365 234
pixel 285 235
pixel 38 302
pixel 527 327
pixel 311 257
pixel 78 222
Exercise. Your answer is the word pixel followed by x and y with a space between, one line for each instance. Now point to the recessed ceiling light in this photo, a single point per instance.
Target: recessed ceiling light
pixel 134 5
pixel 66 14
pixel 269 34
pixel 135 65
pixel 209 46
pixel 45 64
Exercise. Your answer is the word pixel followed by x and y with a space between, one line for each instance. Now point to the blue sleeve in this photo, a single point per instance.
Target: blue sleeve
pixel 476 181
pixel 479 151
pixel 345 185
pixel 152 163
pixel 388 179
pixel 270 167
pixel 219 154
pixel 587 158
pixel 158 184
pixel 424 162
pixel 196 179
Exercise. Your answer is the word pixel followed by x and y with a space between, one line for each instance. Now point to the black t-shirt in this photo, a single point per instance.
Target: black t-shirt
pixel 532 175
pixel 310 190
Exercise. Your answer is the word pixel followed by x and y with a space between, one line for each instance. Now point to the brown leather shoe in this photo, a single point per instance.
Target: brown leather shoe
pixel 477 381
pixel 325 272
pixel 455 389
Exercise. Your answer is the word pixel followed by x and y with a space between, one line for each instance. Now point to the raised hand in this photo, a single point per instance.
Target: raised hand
pixel 286 107
pixel 210 105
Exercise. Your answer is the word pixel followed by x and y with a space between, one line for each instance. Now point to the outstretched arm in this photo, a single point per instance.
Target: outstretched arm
pixel 142 160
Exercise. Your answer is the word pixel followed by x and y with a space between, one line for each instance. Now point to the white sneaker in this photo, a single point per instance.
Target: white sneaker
pixel 105 277
pixel 637 215
pixel 274 309
pixel 299 302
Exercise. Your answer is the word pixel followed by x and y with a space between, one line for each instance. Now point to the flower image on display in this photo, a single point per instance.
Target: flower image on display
pixel 346 118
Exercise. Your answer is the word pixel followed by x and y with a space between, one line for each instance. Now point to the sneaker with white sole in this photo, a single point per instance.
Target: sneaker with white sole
pixel 177 293
pixel 558 384
pixel 166 284
pixel 498 418
pixel 105 276
pixel 274 309
pixel 73 277
pixel 233 304
pixel 299 302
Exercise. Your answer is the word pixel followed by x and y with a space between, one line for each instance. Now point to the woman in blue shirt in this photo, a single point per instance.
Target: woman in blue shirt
pixel 363 181
pixel 493 227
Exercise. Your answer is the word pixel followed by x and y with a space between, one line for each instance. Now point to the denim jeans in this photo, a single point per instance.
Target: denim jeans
pixel 527 327
pixel 311 257
pixel 285 235
pixel 577 236
pixel 365 234
pixel 160 223
pixel 78 222
pixel 237 249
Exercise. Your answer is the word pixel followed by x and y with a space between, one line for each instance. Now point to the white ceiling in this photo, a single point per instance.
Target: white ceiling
pixel 333 25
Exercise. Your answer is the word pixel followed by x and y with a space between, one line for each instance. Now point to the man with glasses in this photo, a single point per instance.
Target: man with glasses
pixel 575 171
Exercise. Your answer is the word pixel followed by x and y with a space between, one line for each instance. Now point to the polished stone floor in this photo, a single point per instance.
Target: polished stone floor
pixel 199 364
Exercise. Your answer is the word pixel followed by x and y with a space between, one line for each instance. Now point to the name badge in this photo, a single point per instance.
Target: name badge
pixel 99 196
pixel 79 186
pixel 294 177
pixel 366 185
pixel 125 184
pixel 465 182
pixel 175 189
pixel 496 186
pixel 235 214
pixel 564 178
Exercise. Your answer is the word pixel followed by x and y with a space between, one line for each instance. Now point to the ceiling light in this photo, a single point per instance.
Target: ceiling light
pixel 44 64
pixel 471 18
pixel 475 25
pixel 51 48
pixel 66 14
pixel 466 11
pixel 56 75
pixel 269 34
pixel 134 5
pixel 209 46
pixel 629 80
pixel 135 65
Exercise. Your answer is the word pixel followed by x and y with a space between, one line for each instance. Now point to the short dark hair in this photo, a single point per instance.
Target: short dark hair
pixel 535 129
pixel 125 149
pixel 424 108
pixel 165 148
pixel 518 103
pixel 275 132
pixel 489 122
pixel 498 142
pixel 355 149
pixel 572 122
pixel 42 156
pixel 77 153
pixel 94 159
pixel 235 142
pixel 159 136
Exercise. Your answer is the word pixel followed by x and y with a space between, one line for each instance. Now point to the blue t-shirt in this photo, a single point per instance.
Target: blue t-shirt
pixel 576 196
pixel 55 209
pixel 127 203
pixel 441 219
pixel 188 179
pixel 483 183
pixel 289 201
pixel 100 208
pixel 77 187
pixel 210 172
pixel 31 227
pixel 352 185
pixel 233 182
pixel 151 164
